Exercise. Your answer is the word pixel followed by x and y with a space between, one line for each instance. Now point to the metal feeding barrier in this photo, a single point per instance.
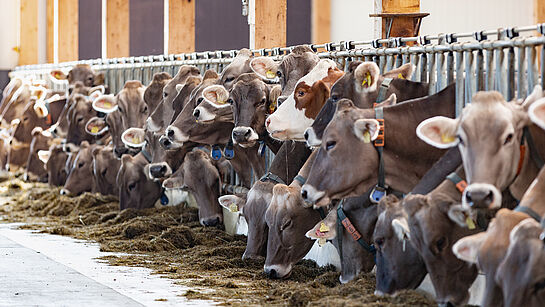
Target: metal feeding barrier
pixel 501 59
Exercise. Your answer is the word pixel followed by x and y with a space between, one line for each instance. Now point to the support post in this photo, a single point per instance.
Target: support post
pixel 68 30
pixel 117 27
pixel 28 49
pixel 321 21
pixel 181 26
pixel 270 23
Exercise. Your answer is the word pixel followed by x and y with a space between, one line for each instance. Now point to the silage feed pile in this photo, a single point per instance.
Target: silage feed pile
pixel 172 243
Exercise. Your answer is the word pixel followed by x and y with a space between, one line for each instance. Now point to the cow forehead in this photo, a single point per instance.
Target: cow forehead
pixel 487 117
pixel 319 72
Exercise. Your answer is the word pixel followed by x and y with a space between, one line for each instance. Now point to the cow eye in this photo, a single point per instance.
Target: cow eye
pixel 103 173
pixel 263 101
pixel 132 186
pixel 230 79
pixel 80 119
pixel 80 165
pixel 165 94
pixel 379 242
pixel 279 73
pixel 145 109
pixel 120 109
pixel 286 225
pixel 330 145
pixel 230 101
pixel 300 94
pixel 441 244
pixel 460 141
pixel 508 139
pixel 25 118
pixel 334 98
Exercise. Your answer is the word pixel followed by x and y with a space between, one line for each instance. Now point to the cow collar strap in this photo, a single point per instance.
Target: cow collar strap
pixel 300 179
pixel 460 183
pixel 344 221
pixel 383 89
pixel 146 154
pixel 272 177
pixel 528 211
pixel 379 190
pixel 526 134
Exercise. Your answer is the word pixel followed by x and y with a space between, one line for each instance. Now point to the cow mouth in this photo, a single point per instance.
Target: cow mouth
pixel 246 144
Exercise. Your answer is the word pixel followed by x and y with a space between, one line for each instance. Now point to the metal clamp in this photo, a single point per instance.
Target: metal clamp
pixel 511 32
pixel 375 43
pixel 349 45
pixel 262 52
pixel 541 28
pixel 424 40
pixel 313 47
pixel 329 47
pixel 449 38
pixel 480 36
pixel 397 42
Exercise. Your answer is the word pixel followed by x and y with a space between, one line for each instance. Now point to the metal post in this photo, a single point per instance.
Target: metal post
pixel 510 74
pixel 479 71
pixel 450 68
pixel 423 67
pixel 460 87
pixel 431 69
pixel 469 77
pixel 521 77
pixel 489 84
pixel 441 75
pixel 531 68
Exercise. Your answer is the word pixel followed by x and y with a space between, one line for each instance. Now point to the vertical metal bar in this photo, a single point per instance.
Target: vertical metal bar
pixel 531 68
pixel 489 71
pixel 542 60
pixel 399 60
pixel 406 58
pixel 479 71
pixel 469 77
pixel 450 68
pixel 431 70
pixel 389 63
pixel 441 75
pixel 500 80
pixel 459 82
pixel 382 63
pixel 415 61
pixel 521 78
pixel 423 67
pixel 510 74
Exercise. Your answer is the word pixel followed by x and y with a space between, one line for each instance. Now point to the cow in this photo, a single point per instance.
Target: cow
pixel 55 160
pixel 135 189
pixel 239 66
pixel 493 157
pixel 338 173
pixel 105 167
pixel 86 75
pixel 79 113
pixel 205 187
pixel 80 178
pixel 35 169
pixel 299 110
pixel 361 85
pixel 520 274
pixel 153 94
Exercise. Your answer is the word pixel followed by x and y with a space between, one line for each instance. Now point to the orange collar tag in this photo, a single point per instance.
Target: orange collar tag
pixel 461 186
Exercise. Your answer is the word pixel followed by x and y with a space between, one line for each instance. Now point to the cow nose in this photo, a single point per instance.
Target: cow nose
pixel 170 133
pixel 158 170
pixel 306 135
pixel 165 142
pixel 196 113
pixel 64 192
pixel 480 198
pixel 211 222
pixel 446 304
pixel 272 273
pixel 304 194
pixel 241 134
pixel 119 151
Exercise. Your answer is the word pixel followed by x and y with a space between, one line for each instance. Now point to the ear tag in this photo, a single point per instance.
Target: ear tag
pixel 233 207
pixel 220 102
pixel 272 107
pixel 447 138
pixel 377 194
pixel 164 199
pixel 324 227
pixel 322 242
pixel 367 81
pixel 261 149
pixel 404 244
pixel 216 152
pixel 94 129
pixel 470 223
pixel 400 76
pixel 270 74
pixel 367 137
pixel 107 105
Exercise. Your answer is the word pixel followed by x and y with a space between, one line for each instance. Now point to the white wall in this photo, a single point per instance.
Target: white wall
pixel 350 18
pixel 8 35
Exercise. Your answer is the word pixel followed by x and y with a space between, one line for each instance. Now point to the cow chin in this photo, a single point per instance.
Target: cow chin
pixel 277 271
pixel 312 195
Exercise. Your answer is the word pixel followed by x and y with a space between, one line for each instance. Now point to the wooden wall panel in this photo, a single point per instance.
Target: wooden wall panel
pixel 299 22
pixel 28 49
pixel 117 27
pixel 146 27
pixel 321 21
pixel 181 26
pixel 68 30
pixel 49 50
pixel 403 26
pixel 270 23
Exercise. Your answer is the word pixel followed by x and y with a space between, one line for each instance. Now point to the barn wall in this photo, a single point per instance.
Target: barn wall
pixel 298 22
pixel 146 27
pixel 350 20
pixel 90 27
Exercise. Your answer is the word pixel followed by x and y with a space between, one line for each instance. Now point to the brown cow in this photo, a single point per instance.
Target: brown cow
pixel 491 149
pixel 84 73
pixel 520 275
pixel 80 178
pixel 79 113
pixel 105 168
pixel 153 94
pixel 240 65
pixel 135 189
pixel 41 140
pixel 338 172
pixel 56 161
pixel 361 85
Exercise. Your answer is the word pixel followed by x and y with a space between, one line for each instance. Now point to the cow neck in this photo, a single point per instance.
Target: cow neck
pixel 448 163
pixel 531 203
pixel 399 149
pixel 527 167
pixel 344 221
pixel 288 161
pixel 383 89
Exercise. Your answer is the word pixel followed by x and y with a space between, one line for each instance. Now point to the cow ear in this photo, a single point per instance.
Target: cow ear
pixel 58 74
pixel 390 101
pixel 467 248
pixel 36 131
pixel 99 79
pixel 233 203
pixel 413 202
pixel 459 215
pixel 438 131
pixel 105 104
pixel 210 74
pixel 322 93
pixel 84 144
pixel 404 71
pixel 264 67
pixel 325 229
pixel 537 113
pixel 366 129
pixel 179 87
pixel 401 228
pixel 344 104
pixel 216 94
pixel 274 93
pixel 44 155
pixel 366 76
pixel 536 95
pixel 526 229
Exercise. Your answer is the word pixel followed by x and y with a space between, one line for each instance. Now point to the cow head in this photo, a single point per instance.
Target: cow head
pixel 55 160
pixel 360 84
pixel 116 128
pixel 288 221
pixel 83 73
pixel 299 110
pixel 105 168
pixel 239 66
pixel 135 189
pixel 79 113
pixel 433 234
pixel 78 180
pixel 131 105
pixel 488 134
pixel 520 275
pixel 41 141
pixel 214 107
pixel 154 91
pixel 399 266
pixel 205 188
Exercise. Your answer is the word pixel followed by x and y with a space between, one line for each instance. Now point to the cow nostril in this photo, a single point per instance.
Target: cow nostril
pixel 196 113
pixel 170 133
pixel 304 194
pixel 268 122
pixel 489 197
pixel 306 135
pixel 212 222
pixel 272 273
pixel 248 133
pixel 163 169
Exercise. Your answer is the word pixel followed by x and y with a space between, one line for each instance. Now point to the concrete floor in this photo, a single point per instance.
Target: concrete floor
pixel 48 270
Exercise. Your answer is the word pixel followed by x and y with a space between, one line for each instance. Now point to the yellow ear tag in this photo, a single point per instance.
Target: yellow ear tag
pixel 366 137
pixel 400 76
pixel 470 223
pixel 94 129
pixel 324 227
pixel 447 138
pixel 107 105
pixel 220 102
pixel 270 74
pixel 233 207
pixel 322 242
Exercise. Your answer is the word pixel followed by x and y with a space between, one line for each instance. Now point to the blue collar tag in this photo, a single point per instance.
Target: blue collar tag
pixel 216 152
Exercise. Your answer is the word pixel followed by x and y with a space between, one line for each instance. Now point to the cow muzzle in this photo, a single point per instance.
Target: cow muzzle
pixel 481 195
pixel 311 195
pixel 244 136
pixel 277 271
pixel 159 170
